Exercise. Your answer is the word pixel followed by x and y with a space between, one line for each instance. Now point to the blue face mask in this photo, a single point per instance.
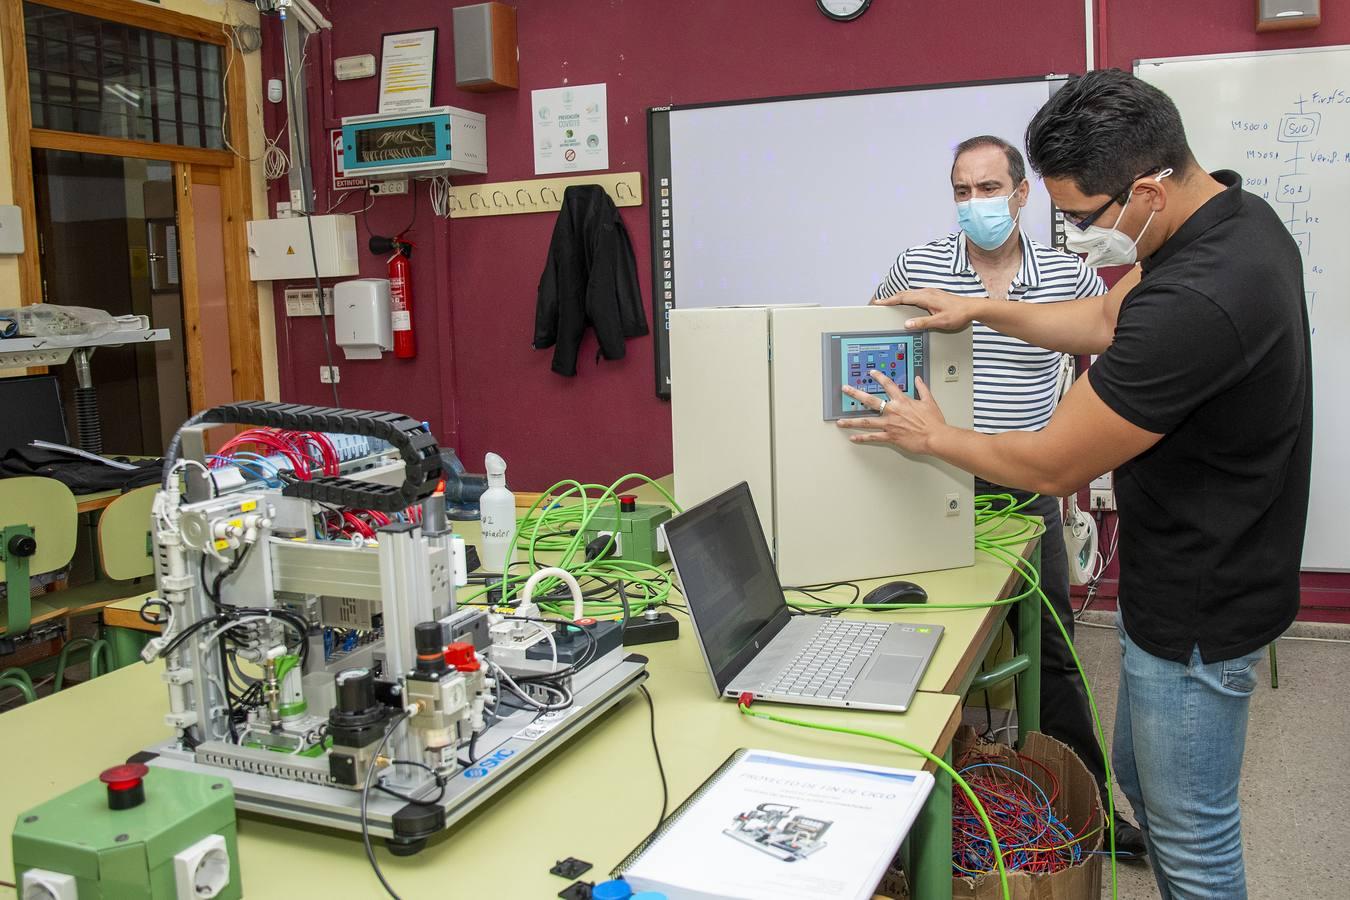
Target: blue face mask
pixel 986 220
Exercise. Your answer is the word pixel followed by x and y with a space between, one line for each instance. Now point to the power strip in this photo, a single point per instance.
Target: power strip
pixel 304 301
pixel 389 186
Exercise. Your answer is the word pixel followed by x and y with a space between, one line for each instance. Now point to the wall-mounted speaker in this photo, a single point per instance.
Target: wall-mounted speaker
pixel 1278 15
pixel 486 55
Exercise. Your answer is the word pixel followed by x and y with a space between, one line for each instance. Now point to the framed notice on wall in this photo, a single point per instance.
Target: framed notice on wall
pixel 407 65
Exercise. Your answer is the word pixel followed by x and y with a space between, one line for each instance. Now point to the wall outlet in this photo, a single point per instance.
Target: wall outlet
pixel 329 375
pixel 304 302
pixel 1103 499
pixel 283 209
pixel 388 186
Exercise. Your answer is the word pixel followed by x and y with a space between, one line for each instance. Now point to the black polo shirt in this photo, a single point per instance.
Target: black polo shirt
pixel 1211 350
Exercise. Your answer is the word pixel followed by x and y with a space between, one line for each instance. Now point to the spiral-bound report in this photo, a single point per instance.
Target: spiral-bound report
pixel 772 825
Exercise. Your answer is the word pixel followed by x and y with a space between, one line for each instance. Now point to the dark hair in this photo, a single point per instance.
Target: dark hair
pixel 1016 168
pixel 1105 128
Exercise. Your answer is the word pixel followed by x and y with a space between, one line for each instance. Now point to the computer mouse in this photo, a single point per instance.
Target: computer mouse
pixel 896 592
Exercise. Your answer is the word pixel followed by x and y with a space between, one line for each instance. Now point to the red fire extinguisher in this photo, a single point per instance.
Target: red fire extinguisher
pixel 400 297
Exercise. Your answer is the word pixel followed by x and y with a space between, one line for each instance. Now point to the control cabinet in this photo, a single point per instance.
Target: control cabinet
pixel 755 395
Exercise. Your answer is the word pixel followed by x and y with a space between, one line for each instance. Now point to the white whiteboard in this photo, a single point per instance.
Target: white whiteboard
pixel 810 199
pixel 1282 120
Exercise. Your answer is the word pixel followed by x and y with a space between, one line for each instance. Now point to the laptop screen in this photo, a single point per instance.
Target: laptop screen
pixel 30 409
pixel 727 577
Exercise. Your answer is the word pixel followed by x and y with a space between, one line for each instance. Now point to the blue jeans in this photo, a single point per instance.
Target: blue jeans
pixel 1180 732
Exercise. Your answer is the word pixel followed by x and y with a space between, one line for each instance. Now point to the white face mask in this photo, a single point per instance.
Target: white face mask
pixel 1107 246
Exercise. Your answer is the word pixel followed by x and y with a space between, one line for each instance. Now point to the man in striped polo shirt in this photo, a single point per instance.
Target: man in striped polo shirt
pixel 1016 385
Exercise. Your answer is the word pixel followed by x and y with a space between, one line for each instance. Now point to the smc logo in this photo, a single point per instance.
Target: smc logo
pixel 486 765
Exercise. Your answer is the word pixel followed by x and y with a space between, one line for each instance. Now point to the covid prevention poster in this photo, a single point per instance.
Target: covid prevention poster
pixel 571 129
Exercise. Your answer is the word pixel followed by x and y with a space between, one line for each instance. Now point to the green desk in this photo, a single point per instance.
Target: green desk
pixel 971 632
pixel 594 798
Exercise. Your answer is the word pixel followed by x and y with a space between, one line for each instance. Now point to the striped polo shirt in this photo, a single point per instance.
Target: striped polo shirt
pixel 1015 383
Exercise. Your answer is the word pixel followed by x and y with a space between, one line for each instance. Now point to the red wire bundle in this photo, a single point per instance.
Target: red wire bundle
pixel 1030 834
pixel 307 452
pixel 304 450
pixel 364 522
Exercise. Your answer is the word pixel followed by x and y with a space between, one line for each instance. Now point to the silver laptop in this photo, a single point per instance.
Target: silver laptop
pixel 753 644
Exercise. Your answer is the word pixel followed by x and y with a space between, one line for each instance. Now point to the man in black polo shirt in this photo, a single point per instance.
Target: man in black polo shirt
pixel 1201 401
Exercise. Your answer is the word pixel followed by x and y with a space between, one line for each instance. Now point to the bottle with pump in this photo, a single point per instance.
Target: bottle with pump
pixel 497 515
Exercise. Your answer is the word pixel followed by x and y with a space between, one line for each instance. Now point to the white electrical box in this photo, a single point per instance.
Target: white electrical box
pixel 361 318
pixel 11 230
pixel 279 250
pixel 753 398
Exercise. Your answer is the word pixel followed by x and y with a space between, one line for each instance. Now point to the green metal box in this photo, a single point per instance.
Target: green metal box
pixel 637 531
pixel 129 853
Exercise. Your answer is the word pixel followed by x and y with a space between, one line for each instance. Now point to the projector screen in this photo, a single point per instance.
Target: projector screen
pixel 810 199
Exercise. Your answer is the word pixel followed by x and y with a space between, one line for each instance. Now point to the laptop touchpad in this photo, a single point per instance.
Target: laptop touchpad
pixel 894 668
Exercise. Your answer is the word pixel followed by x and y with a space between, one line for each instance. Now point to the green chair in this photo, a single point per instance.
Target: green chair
pixel 45 511
pixel 38 518
pixel 125 542
pixel 19 680
pixel 126 561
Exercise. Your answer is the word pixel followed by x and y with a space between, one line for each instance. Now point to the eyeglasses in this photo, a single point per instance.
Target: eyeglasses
pixel 1086 222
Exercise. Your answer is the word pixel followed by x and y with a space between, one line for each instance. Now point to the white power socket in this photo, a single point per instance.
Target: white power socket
pixel 1103 499
pixel 329 375
pixel 45 885
pixel 389 186
pixel 202 871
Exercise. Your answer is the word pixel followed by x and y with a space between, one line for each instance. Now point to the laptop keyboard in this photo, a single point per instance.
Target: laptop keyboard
pixel 825 667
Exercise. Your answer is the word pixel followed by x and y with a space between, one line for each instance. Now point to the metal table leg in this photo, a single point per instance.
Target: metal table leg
pixel 1029 643
pixel 931 844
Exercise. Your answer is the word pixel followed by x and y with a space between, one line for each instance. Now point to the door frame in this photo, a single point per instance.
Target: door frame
pixel 232 168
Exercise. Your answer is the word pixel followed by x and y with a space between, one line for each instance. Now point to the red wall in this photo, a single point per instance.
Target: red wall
pixel 1143 29
pixel 476 377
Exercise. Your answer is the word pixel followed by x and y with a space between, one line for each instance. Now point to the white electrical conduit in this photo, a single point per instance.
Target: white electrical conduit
pixel 1089 22
pixel 563 575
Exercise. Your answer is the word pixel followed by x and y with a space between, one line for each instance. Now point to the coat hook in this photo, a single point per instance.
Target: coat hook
pixel 453 198
pixel 618 191
pixel 520 191
pixel 479 197
pixel 549 188
pixel 504 197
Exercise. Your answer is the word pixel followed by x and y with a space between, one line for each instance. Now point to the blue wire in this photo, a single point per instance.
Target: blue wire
pixel 1018 859
pixel 271 464
pixel 247 466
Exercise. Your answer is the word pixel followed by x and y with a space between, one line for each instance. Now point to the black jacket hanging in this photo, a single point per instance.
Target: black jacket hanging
pixel 590 278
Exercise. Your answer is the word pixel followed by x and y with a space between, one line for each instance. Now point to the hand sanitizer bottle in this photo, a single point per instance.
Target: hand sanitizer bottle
pixel 497 515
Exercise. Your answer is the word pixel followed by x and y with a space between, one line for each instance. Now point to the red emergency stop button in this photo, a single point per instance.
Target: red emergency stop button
pixel 628 502
pixel 125 787
pixel 460 657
